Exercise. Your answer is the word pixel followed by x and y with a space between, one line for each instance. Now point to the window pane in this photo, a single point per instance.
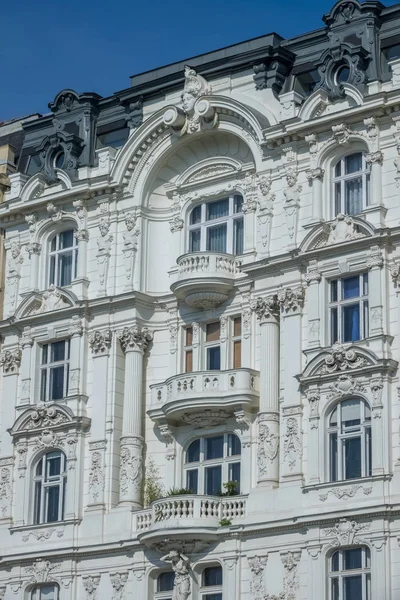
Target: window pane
pixel 234 445
pixel 188 361
pixel 353 196
pixel 66 239
pixel 38 495
pixel 212 576
pixel 56 383
pixel 193 452
pixel 65 268
pixel 53 464
pixel 214 358
pixel 353 163
pixel 338 198
pixel 189 336
pixel 53 498
pixel 238 236
pixel 365 283
pixel 335 562
pixel 194 241
pixel 237 204
pixel 52 274
pixel 351 323
pixel 237 354
pixel 47 592
pixel 165 582
pixel 57 351
pixel 212 597
pixel 350 287
pixel 195 215
pixel 352 588
pixel 352 559
pixel 334 287
pixel 218 209
pixel 352 458
pixel 351 413
pixel 237 326
pixel 234 475
pixel 334 325
pixel 338 169
pixel 53 245
pixel 216 238
pixel 214 447
pixel 213 480
pixel 333 458
pixel 213 331
pixel 192 480
pixel 335 589
pixel 43 386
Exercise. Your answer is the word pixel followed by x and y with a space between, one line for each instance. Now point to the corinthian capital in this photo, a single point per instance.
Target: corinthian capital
pixel 291 300
pixel 135 338
pixel 266 308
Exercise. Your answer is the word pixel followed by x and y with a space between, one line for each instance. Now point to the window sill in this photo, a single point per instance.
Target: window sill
pixel 345 483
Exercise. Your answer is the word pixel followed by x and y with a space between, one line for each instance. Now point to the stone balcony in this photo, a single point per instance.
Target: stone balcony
pixel 205 279
pixel 187 518
pixel 202 396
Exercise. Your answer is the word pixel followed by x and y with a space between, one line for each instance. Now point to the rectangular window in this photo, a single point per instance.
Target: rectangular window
pixel 54 371
pixel 348 309
pixel 192 480
pixel 188 350
pixel 213 480
pixel 212 346
pixel 237 342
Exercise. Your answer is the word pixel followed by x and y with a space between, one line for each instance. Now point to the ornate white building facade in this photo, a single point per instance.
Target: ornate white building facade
pixel 200 344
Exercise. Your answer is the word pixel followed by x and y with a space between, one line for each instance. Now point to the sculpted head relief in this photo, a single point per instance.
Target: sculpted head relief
pixel 195 87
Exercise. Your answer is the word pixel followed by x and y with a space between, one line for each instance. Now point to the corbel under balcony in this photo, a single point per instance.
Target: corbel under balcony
pixel 205 279
pixel 204 398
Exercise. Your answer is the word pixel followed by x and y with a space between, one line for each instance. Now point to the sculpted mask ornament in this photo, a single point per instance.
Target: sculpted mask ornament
pixel 195 87
pixel 181 567
pixel 340 359
pixel 343 229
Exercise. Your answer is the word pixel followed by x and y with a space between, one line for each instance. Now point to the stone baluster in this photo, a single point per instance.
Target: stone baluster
pixel 267 311
pixel 134 341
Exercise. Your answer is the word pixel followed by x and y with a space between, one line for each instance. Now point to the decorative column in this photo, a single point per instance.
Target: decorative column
pixel 291 302
pixel 25 372
pixel 100 343
pixel 375 264
pixel 34 250
pixel 82 236
pixel 134 341
pixel 75 330
pixel 249 209
pixel 267 311
pixel 313 280
pixel 315 176
pixel 10 360
pixel 247 322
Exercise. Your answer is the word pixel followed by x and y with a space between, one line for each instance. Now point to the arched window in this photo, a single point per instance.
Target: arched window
pixel 350 450
pixel 350 574
pixel 211 584
pixel 351 184
pixel 49 591
pixel 212 462
pixel 165 586
pixel 63 256
pixel 50 488
pixel 217 226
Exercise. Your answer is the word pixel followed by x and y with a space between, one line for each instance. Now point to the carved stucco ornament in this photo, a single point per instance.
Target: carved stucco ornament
pixel 346 532
pixel 206 418
pixel 197 113
pixel 340 359
pixel 343 229
pixel 257 566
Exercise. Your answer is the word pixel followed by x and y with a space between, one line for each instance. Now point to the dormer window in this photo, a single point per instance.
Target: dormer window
pixel 217 226
pixel 63 258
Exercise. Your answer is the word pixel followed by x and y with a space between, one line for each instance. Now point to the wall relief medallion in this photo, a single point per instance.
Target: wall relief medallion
pixel 346 532
pixel 206 418
pixel 340 359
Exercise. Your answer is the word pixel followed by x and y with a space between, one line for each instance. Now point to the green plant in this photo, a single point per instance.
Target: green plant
pixel 225 522
pixel 178 492
pixel 231 489
pixel 152 486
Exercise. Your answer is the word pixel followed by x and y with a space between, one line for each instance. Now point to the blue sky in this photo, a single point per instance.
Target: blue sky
pixel 94 45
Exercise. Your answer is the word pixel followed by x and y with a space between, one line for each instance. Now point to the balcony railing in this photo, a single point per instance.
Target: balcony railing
pixel 208 389
pixel 190 511
pixel 197 263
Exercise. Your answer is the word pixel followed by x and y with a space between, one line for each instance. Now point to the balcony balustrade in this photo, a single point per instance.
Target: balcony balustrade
pixel 220 392
pixel 205 279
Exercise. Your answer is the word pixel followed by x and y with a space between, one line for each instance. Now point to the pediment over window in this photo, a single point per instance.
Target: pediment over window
pixel 345 359
pixel 50 300
pixel 339 231
pixel 209 170
pixel 48 417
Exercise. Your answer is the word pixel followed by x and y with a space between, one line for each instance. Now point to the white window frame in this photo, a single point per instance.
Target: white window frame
pixel 365 175
pixel 235 338
pixel 73 250
pixel 341 574
pixel 362 431
pixel 36 593
pixel 49 366
pixel 47 482
pixel 204 224
pixel 204 590
pixel 202 464
pixel 167 594
pixel 212 344
pixel 362 299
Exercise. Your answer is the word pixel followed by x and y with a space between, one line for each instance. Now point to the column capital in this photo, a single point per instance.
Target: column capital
pixel 316 173
pixel 313 274
pixel 135 338
pixel 33 248
pixel 291 300
pixel 266 309
pixel 100 342
pixel 375 259
pixel 10 360
pixel 82 235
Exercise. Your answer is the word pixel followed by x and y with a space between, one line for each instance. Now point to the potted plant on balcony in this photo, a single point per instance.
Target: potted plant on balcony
pixel 231 489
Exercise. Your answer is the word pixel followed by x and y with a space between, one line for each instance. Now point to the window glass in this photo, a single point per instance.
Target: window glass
pixel 234 445
pixel 192 480
pixel 193 453
pixel 218 209
pixel 63 259
pixel 214 447
pixel 348 311
pixel 195 215
pixel 213 331
pixel 350 574
pixel 352 559
pixel 214 358
pixel 213 480
pixel 54 371
pixel 212 576
pixel 351 287
pixel 50 488
pixel 216 238
pixel 351 184
pixel 353 163
pixel 165 582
